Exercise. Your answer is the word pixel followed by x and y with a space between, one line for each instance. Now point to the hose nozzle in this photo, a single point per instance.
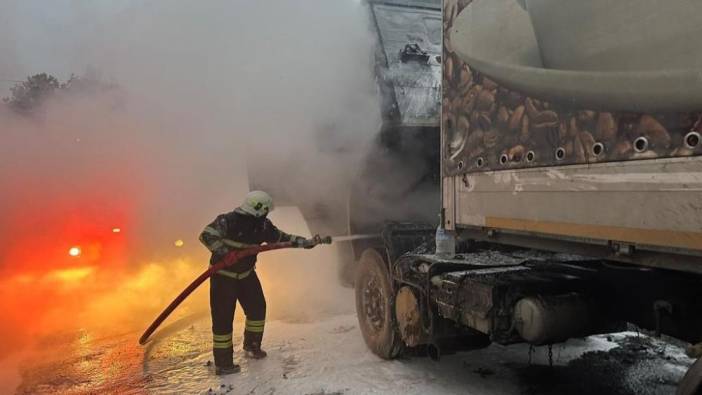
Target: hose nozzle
pixel 317 239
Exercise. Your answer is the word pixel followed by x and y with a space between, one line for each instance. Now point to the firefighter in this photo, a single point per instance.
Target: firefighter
pixel 246 226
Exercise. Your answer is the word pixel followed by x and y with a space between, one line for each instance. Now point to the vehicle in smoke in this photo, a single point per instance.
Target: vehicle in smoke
pixel 575 204
pixel 398 178
pixel 399 181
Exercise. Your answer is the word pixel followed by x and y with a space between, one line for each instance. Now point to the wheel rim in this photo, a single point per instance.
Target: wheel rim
pixel 373 303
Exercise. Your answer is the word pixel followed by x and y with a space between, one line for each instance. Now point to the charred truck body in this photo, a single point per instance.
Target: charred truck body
pixel 400 178
pixel 571 175
pixel 562 142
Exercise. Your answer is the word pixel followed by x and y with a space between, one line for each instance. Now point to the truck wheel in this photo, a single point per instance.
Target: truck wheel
pixel 691 383
pixel 374 306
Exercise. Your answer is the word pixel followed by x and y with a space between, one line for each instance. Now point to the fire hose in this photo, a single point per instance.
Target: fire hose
pixel 229 260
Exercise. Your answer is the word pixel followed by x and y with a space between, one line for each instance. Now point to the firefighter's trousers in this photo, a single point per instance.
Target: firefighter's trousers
pixel 225 291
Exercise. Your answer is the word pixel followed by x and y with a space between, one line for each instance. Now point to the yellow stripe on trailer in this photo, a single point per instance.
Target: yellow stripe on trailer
pixel 656 237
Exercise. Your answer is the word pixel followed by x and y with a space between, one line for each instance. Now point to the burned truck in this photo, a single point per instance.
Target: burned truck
pixel 561 142
pixel 571 177
pixel 398 179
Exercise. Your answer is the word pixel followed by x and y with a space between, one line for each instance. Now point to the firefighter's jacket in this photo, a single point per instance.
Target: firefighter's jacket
pixel 238 230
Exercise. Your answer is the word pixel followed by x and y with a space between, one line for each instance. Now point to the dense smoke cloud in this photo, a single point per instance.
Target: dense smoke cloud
pixel 201 86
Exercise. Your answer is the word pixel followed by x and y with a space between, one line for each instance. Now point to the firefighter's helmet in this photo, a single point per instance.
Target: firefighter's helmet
pixel 257 203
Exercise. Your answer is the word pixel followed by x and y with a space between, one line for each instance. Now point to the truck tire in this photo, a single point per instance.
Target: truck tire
pixel 691 384
pixel 374 306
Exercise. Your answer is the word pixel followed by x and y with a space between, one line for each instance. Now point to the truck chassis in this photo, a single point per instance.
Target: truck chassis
pixel 408 298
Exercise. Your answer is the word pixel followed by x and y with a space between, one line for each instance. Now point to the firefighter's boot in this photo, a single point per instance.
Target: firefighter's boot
pixel 224 362
pixel 224 370
pixel 255 352
pixel 252 345
pixel 224 355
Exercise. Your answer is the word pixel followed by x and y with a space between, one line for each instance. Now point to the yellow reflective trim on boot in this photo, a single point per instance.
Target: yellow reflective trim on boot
pixel 222 338
pixel 227 344
pixel 255 326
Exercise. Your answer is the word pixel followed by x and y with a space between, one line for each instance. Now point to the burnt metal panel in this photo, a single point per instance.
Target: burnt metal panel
pixel 483 298
pixel 411 84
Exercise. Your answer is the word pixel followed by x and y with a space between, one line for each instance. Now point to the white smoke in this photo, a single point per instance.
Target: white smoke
pixel 203 86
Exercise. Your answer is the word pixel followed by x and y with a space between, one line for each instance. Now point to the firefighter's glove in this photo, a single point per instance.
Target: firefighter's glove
pixel 317 240
pixel 308 243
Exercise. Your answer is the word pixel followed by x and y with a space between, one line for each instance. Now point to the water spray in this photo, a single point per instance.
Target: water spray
pixel 355 237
